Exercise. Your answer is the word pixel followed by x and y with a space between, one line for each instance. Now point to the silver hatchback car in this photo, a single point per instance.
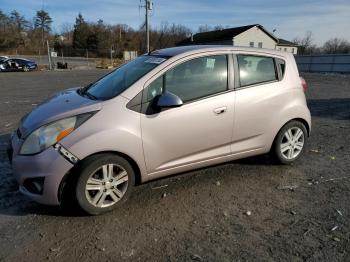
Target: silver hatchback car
pixel 165 112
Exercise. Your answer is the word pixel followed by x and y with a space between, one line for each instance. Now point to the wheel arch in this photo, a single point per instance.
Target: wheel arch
pixel 70 177
pixel 302 120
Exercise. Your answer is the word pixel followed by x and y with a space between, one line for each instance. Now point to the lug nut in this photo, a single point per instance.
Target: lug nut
pixel 111 180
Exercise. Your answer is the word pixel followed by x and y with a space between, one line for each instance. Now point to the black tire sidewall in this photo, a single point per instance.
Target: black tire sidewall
pixel 85 170
pixel 278 140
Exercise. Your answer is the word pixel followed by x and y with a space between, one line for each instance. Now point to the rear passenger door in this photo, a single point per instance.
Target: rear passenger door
pixel 259 96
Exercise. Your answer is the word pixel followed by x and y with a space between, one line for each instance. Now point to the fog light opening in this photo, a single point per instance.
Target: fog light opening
pixel 34 185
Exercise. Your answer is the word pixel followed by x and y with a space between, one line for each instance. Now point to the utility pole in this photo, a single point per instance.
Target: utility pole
pixel 87 56
pixel 49 54
pixel 111 55
pixel 148 7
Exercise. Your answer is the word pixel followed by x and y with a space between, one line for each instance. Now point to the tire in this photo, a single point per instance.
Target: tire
pixel 25 69
pixel 286 150
pixel 97 190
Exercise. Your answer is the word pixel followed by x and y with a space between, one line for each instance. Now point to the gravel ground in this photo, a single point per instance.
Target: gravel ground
pixel 298 213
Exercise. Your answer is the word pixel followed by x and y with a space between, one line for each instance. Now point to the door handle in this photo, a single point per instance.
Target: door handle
pixel 220 110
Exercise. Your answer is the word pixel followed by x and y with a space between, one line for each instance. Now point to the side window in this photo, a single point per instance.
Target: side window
pixel 256 69
pixel 193 79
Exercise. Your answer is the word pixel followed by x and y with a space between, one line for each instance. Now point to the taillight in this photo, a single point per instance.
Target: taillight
pixel 303 83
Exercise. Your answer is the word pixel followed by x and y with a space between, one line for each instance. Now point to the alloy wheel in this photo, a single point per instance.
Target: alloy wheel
pixel 292 143
pixel 106 186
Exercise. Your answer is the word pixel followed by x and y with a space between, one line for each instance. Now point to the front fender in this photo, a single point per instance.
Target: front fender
pixel 114 128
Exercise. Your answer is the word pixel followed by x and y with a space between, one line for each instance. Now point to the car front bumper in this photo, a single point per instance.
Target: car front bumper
pixel 43 171
pixel 33 67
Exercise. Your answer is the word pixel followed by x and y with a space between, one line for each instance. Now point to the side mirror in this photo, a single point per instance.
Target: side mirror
pixel 168 100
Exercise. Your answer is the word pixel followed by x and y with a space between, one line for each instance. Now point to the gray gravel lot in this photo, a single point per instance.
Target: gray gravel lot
pixel 199 219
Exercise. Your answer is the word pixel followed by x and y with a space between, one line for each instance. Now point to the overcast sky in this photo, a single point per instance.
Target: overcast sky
pixel 325 18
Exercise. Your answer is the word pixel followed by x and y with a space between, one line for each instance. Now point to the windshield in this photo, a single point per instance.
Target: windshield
pixel 120 79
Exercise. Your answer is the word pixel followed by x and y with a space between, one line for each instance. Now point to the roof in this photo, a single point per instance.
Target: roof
pixel 192 49
pixel 285 42
pixel 220 35
pixel 173 51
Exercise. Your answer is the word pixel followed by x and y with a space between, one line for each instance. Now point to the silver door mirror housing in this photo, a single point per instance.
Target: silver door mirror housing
pixel 168 100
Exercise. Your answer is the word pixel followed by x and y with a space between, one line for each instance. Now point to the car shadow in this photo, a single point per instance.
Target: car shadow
pixel 333 108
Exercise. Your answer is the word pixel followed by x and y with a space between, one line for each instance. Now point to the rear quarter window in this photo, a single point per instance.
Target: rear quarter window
pixel 256 69
pixel 281 64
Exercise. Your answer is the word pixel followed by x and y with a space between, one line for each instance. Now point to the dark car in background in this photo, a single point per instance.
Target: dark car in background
pixel 17 64
pixel 3 58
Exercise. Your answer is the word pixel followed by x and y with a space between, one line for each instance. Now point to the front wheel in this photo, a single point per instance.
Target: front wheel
pixel 25 69
pixel 290 142
pixel 104 183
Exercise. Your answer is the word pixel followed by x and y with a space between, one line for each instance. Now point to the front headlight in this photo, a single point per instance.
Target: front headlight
pixel 50 134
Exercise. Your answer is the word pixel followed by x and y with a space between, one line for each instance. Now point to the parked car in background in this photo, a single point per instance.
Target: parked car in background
pixel 166 112
pixel 17 64
pixel 2 58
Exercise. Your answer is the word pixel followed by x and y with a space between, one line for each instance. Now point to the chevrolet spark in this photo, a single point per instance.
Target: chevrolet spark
pixel 166 112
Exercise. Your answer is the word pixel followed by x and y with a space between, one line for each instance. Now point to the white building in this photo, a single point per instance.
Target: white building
pixel 284 45
pixel 251 35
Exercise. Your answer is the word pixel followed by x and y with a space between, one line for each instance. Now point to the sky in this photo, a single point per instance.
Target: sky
pixel 325 18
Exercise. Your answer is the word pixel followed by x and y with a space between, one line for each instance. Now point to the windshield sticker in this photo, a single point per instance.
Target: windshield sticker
pixel 155 60
pixel 210 63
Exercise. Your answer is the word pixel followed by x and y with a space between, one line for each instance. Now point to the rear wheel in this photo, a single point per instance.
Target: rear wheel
pixel 290 142
pixel 104 183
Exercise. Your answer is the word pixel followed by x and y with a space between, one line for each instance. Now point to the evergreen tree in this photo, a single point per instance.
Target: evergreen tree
pixel 43 21
pixel 81 33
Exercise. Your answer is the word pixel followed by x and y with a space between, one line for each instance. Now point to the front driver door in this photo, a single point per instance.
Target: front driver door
pixel 199 130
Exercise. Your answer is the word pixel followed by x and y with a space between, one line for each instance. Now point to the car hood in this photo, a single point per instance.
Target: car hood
pixel 61 105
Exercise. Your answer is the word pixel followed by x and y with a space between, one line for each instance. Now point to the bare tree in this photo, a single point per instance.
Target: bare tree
pixel 204 28
pixel 67 31
pixel 219 27
pixel 19 21
pixel 305 44
pixel 336 46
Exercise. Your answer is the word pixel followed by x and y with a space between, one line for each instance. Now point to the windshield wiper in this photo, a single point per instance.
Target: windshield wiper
pixel 84 92
pixel 91 96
